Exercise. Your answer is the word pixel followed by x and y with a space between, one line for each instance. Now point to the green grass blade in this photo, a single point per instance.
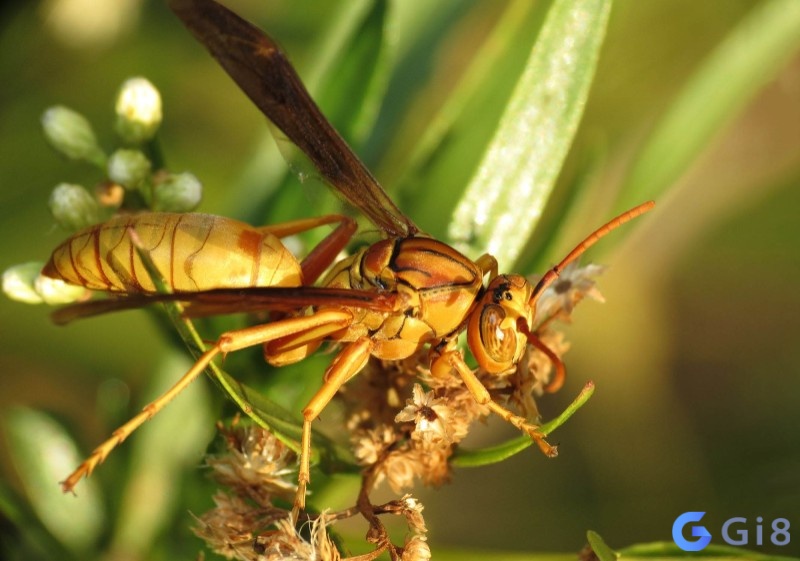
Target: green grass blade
pixel 505 198
pixel 494 454
pixel 730 76
pixel 666 551
pixel 601 550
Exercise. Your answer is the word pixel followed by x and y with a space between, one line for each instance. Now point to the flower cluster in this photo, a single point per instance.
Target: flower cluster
pixel 246 523
pixel 131 180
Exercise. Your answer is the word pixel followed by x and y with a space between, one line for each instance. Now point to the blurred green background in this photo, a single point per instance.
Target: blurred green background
pixel 694 354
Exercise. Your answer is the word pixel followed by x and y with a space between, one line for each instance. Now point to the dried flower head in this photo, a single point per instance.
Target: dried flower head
pixel 369 445
pixel 231 526
pixel 237 530
pixel 256 464
pixel 416 549
pixel 573 284
pixel 430 415
pixel 412 510
pixel 286 543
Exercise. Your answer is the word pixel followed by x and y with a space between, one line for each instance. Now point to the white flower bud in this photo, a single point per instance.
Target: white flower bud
pixel 138 111
pixel 73 207
pixel 177 192
pixel 56 291
pixel 128 168
pixel 19 282
pixel 70 133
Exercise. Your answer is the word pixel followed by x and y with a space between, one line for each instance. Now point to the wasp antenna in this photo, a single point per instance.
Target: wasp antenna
pixel 590 240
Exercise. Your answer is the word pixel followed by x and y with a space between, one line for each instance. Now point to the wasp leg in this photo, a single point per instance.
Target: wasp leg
pixel 488 264
pixel 456 360
pixel 349 362
pixel 322 323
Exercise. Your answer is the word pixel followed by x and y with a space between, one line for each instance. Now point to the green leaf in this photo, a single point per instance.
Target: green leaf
pixel 494 454
pixel 506 196
pixel 43 453
pixel 730 76
pixel 668 550
pixel 33 540
pixel 348 82
pixel 443 554
pixel 438 149
pixel 603 552
pixel 482 81
pixel 160 452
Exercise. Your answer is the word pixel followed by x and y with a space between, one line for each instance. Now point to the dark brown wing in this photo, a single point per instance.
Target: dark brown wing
pixel 234 301
pixel 262 71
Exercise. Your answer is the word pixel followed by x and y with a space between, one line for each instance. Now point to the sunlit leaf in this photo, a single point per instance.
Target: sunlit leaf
pixel 763 42
pixel 43 454
pixel 506 197
pixel 603 552
pixel 161 450
pixel 669 551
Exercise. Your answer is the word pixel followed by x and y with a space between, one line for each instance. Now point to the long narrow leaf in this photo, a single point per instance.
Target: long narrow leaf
pixel 507 195
pixel 500 452
pixel 43 453
pixel 749 57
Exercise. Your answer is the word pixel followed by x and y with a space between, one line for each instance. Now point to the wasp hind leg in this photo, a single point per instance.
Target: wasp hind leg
pixel 321 324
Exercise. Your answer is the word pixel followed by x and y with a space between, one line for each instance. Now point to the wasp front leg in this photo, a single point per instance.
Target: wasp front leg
pixel 454 359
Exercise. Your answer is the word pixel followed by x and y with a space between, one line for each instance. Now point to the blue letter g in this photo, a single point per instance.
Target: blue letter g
pixel 697 531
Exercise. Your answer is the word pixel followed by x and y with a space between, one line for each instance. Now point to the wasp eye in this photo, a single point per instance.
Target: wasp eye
pixel 498 342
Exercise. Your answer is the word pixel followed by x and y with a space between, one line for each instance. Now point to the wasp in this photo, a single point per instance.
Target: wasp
pixel 388 300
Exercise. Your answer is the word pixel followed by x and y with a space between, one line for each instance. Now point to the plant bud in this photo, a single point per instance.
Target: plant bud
pixel 70 133
pixel 73 207
pixel 177 192
pixel 138 111
pixel 128 168
pixel 56 291
pixel 19 282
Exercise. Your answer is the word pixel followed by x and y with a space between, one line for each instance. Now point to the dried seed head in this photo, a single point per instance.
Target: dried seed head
pixel 430 414
pixel 416 549
pixel 412 510
pixel 573 284
pixel 230 527
pixel 399 468
pixel 370 444
pixel 256 464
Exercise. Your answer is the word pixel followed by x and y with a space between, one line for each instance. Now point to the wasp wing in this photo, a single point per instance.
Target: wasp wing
pixel 262 71
pixel 233 301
